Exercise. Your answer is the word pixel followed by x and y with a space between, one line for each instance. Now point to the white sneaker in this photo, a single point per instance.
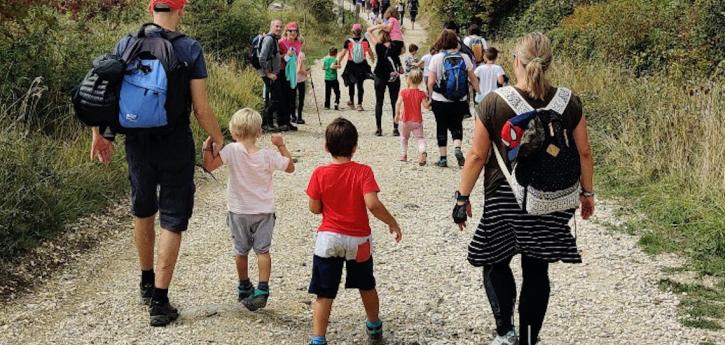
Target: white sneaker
pixel 509 338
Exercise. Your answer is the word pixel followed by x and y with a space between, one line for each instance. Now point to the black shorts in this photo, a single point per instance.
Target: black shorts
pixel 413 15
pixel 161 171
pixel 327 274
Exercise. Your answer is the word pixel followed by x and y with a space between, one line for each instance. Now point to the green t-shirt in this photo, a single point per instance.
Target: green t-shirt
pixel 330 74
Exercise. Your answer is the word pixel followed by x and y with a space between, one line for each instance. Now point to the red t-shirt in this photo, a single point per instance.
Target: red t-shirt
pixel 412 98
pixel 341 188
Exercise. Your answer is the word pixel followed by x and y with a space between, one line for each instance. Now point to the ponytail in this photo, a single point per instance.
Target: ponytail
pixel 535 79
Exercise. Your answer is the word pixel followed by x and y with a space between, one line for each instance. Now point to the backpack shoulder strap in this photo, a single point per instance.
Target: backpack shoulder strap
pixel 502 164
pixel 560 100
pixel 515 101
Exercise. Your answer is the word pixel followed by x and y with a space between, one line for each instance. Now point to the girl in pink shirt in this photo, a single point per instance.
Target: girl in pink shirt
pixel 409 117
pixel 392 26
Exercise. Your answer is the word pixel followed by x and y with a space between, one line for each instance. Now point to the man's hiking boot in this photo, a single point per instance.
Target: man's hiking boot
pixel 459 157
pixel 162 313
pixel 245 291
pixel 509 338
pixel 375 333
pixel 300 121
pixel 257 300
pixel 146 291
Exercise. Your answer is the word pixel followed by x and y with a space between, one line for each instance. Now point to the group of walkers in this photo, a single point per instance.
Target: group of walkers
pixel 161 168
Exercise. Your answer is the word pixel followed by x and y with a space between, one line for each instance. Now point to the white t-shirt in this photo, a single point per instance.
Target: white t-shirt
pixel 426 62
pixel 436 65
pixel 488 78
pixel 249 189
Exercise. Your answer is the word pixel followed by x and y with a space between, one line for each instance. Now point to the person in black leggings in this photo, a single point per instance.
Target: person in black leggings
pixel 387 75
pixel 498 280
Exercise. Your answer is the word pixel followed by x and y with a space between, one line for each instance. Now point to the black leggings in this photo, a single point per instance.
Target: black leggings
pixel 498 280
pixel 449 117
pixel 360 91
pixel 393 90
pixel 299 90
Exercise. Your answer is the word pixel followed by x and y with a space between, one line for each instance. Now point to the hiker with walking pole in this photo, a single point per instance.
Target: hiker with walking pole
pixel 526 216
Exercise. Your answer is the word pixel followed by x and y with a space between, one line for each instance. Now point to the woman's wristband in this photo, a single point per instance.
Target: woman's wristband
pixel 587 194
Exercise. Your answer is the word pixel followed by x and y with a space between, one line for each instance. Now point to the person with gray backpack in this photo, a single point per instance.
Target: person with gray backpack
pixel 540 171
pixel 355 51
pixel 163 80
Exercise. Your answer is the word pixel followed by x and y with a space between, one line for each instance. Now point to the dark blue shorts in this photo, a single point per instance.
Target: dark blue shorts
pixel 161 171
pixel 327 274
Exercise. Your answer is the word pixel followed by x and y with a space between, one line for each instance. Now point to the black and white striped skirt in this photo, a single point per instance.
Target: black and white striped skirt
pixel 506 230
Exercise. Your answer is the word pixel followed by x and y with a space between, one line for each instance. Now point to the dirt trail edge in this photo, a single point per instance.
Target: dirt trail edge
pixel 429 293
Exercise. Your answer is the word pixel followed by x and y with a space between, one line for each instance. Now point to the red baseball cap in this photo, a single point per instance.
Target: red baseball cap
pixel 173 5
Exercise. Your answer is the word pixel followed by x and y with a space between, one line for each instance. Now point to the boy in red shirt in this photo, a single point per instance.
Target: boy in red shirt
pixel 343 192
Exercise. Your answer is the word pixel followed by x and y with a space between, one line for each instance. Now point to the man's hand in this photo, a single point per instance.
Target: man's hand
pixel 217 146
pixel 462 210
pixel 271 76
pixel 587 205
pixel 101 148
pixel 277 140
pixel 395 230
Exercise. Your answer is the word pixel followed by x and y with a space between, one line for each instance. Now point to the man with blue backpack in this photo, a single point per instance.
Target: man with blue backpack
pixel 266 58
pixel 450 72
pixel 165 77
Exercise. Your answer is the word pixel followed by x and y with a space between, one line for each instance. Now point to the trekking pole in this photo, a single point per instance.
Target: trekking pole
pixel 314 95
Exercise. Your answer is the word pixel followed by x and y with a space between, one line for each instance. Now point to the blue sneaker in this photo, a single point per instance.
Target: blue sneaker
pixel 245 291
pixel 374 332
pixel 257 300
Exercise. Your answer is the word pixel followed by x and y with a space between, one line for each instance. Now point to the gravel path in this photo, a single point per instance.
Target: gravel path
pixel 429 293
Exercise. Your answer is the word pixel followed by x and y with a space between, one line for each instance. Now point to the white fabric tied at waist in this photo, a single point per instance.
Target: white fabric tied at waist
pixel 335 245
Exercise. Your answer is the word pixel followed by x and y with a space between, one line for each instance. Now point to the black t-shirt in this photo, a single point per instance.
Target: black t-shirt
pixel 413 5
pixel 384 66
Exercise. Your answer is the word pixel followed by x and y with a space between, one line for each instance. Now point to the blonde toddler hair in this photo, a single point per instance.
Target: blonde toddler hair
pixel 415 76
pixel 245 123
pixel 534 52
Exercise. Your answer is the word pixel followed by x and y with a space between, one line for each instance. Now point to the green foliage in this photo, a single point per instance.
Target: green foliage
pixel 543 15
pixel 702 306
pixel 225 27
pixel 682 37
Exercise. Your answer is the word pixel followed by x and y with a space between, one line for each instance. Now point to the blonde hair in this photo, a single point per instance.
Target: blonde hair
pixel 415 76
pixel 534 53
pixel 245 123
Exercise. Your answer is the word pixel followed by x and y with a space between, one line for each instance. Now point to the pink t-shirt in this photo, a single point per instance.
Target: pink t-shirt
pixel 395 33
pixel 249 190
pixel 285 45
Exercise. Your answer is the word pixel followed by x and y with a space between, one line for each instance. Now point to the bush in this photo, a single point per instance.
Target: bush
pixel 224 27
pixel 627 32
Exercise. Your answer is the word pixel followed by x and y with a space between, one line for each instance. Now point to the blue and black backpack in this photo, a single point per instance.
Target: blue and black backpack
pixel 453 84
pixel 154 93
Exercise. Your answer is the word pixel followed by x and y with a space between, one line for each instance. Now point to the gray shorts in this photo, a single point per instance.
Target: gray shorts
pixel 251 231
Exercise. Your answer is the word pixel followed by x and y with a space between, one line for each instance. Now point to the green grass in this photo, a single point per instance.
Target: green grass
pixel 700 307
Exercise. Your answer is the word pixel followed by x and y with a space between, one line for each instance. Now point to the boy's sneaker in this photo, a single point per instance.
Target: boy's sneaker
pixel 375 333
pixel 146 291
pixel 509 338
pixel 257 300
pixel 443 162
pixel 459 157
pixel 245 292
pixel 162 313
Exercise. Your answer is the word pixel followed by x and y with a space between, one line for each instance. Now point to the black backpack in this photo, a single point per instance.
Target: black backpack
pixel 95 99
pixel 255 48
pixel 545 161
